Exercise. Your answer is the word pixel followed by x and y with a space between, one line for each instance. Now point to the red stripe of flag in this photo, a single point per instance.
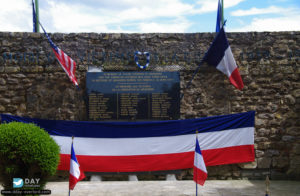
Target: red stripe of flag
pixel 236 79
pixel 200 177
pixel 136 163
pixel 61 59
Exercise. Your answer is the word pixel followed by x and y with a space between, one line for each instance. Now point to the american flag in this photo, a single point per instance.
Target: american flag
pixel 68 64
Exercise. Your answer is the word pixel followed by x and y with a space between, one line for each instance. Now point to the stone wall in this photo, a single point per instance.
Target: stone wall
pixel 33 84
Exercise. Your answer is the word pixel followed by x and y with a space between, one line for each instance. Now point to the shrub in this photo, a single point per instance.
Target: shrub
pixel 26 151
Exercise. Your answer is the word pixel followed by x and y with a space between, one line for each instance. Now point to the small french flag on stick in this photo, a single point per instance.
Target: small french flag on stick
pixel 219 55
pixel 76 174
pixel 200 173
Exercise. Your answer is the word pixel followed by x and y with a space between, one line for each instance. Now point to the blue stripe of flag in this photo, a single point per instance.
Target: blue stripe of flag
pixel 139 129
pixel 217 49
pixel 73 156
pixel 197 149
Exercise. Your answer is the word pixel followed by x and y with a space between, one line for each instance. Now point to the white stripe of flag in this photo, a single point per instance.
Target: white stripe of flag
pixel 157 145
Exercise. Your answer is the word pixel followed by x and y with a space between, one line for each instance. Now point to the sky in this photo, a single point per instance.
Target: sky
pixel 148 16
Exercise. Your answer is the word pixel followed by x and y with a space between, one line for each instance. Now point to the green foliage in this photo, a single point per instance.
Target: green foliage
pixel 26 151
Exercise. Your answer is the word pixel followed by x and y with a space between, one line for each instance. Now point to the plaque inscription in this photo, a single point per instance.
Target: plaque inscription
pixel 133 95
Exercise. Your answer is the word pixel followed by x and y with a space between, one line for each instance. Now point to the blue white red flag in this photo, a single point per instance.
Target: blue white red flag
pixel 151 145
pixel 76 174
pixel 68 64
pixel 200 172
pixel 219 55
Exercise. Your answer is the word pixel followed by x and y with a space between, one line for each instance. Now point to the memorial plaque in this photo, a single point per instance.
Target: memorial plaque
pixel 133 95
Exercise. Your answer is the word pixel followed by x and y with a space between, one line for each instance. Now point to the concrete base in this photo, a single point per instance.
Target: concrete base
pixel 176 188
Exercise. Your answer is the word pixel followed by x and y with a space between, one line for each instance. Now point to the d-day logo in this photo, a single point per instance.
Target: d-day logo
pixel 18 183
pixel 27 182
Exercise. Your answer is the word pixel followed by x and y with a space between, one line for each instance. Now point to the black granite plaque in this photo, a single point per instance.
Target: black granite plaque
pixel 133 95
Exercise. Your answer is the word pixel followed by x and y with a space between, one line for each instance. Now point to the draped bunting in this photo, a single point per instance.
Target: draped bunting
pixel 151 145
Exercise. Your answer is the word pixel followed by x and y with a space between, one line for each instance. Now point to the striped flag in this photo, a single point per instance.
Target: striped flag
pixel 68 64
pixel 76 174
pixel 162 145
pixel 219 55
pixel 200 172
pixel 220 16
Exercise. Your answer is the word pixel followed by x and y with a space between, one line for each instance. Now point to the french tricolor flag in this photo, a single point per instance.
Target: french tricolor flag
pixel 76 174
pixel 219 55
pixel 200 173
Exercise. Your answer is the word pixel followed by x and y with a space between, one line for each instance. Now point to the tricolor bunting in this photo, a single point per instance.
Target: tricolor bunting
pixel 220 16
pixel 76 174
pixel 219 55
pixel 200 172
pixel 68 64
pixel 151 145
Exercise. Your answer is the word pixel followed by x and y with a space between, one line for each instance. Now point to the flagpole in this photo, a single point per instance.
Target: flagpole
pixel 190 82
pixel 37 15
pixel 196 189
pixel 71 155
pixel 222 13
pixel 201 62
pixel 197 172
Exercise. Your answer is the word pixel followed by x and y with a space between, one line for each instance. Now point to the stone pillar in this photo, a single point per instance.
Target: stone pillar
pixel 96 178
pixel 133 178
pixel 171 177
